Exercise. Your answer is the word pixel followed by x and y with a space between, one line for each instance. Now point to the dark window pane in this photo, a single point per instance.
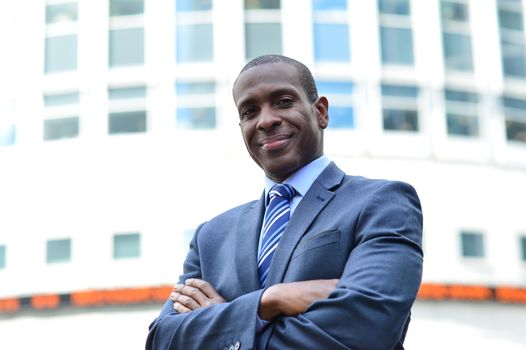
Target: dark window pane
pixel 7 135
pixel 61 99
pixel 460 96
pixel 331 42
pixel 516 103
pixel 454 11
pixel 511 20
pixel 61 13
pixel 262 38
pixel 126 7
pixel 395 7
pixel 341 117
pixel 196 118
pixel 334 87
pixel 193 5
pixel 262 4
pixel 2 256
pixel 127 122
pixel 63 128
pixel 61 53
pixel 401 120
pixel 194 42
pixel 399 90
pixel 516 130
pixel 457 51
pixel 126 245
pixel 472 244
pixel 58 250
pixel 194 88
pixel 329 5
pixel 127 92
pixel 513 59
pixel 397 45
pixel 126 47
pixel 462 125
pixel 523 248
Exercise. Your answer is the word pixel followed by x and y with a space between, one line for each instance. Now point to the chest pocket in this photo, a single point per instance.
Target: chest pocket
pixel 319 240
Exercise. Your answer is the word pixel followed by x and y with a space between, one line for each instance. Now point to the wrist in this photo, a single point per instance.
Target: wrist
pixel 269 304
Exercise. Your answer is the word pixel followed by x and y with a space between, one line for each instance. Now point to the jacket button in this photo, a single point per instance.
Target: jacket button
pixel 237 346
pixel 231 347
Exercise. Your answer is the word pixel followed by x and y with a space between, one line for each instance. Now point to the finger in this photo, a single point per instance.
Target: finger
pixel 195 294
pixel 181 308
pixel 174 296
pixel 205 287
pixel 188 302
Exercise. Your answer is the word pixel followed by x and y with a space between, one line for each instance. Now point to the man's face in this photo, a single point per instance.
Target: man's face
pixel 281 128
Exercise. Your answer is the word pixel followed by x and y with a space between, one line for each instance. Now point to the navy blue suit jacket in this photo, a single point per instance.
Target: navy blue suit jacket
pixel 367 233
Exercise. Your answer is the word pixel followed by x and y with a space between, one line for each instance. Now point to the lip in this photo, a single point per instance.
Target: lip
pixel 274 143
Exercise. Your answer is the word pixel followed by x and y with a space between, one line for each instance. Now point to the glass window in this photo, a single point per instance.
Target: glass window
pixel 511 20
pixel 196 117
pixel 262 4
pixel 61 53
pixel 400 110
pixel 2 256
pixel 126 7
pixel 515 118
pixel 329 5
pixel 127 122
pixel 325 37
pixel 58 251
pixel 454 11
pixel 341 113
pixel 126 245
pixel 126 47
pixel 396 45
pixel 194 42
pixel 195 105
pixel 523 248
pixel 456 36
pixel 513 58
pixel 61 99
pixel 127 92
pixel 461 113
pixel 61 13
pixel 7 135
pixel 472 244
pixel 262 38
pixel 63 128
pixel 194 88
pixel 394 7
pixel 193 5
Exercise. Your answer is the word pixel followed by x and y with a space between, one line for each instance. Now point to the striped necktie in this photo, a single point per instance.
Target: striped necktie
pixel 277 216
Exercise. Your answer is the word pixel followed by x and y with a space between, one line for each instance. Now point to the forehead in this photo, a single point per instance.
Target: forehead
pixel 266 78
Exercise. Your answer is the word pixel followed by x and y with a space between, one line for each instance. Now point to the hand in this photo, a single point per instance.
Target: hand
pixel 293 298
pixel 194 294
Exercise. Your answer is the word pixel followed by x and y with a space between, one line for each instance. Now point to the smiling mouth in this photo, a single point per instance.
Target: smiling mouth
pixel 274 143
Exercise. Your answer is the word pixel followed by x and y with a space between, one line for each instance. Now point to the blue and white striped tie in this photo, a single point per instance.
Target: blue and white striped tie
pixel 277 216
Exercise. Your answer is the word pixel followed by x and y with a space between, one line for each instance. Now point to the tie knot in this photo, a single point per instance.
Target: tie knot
pixel 283 190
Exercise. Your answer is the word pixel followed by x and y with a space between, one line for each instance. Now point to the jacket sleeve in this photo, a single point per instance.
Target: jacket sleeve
pixel 370 307
pixel 214 327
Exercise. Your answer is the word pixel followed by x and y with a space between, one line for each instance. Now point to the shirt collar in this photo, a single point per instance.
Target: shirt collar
pixel 303 178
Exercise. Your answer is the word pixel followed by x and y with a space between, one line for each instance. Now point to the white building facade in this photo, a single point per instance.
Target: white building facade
pixel 119 135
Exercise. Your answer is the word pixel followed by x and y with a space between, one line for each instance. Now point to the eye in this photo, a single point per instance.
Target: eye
pixel 285 102
pixel 247 113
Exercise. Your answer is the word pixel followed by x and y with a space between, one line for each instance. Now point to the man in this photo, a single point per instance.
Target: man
pixel 322 261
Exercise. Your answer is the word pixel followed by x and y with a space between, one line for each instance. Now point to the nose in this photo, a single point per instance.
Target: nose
pixel 268 120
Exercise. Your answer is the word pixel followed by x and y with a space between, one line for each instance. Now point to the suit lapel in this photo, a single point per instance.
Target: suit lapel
pixel 316 198
pixel 246 249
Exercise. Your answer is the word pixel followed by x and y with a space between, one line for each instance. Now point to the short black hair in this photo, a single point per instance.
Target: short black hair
pixel 306 80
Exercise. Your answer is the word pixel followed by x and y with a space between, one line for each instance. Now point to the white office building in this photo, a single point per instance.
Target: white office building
pixel 119 135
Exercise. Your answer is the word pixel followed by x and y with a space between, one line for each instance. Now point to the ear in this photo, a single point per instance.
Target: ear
pixel 322 111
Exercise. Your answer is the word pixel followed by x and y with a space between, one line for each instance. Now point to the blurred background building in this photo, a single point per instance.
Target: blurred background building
pixel 112 113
